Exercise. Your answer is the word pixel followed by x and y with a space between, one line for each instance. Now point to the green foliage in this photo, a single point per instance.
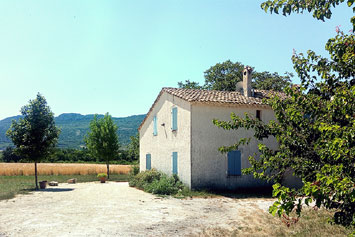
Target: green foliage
pixel 102 140
pixel 225 76
pixel 9 155
pixel 35 134
pixel 189 85
pixel 271 81
pixel 153 181
pixel 133 148
pixel 134 170
pixel 321 9
pixel 143 178
pixel 164 186
pixel 315 131
pixel 102 175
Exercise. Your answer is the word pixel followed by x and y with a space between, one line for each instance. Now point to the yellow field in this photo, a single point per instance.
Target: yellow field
pixel 9 169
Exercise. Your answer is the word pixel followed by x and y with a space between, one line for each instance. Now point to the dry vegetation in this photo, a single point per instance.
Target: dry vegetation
pixel 259 223
pixel 11 169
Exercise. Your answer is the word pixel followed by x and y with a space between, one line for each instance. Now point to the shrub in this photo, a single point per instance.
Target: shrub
pixel 164 186
pixel 156 182
pixel 102 175
pixel 143 178
pixel 135 170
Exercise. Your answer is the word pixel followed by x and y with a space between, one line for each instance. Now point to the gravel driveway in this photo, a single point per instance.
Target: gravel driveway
pixel 115 209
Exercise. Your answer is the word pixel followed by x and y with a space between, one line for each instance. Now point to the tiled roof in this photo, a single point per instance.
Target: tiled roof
pixel 216 97
pixel 229 97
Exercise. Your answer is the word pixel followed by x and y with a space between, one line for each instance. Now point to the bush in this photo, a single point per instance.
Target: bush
pixel 102 175
pixel 135 170
pixel 164 186
pixel 144 178
pixel 153 181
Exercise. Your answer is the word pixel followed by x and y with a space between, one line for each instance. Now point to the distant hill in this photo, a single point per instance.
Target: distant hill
pixel 75 126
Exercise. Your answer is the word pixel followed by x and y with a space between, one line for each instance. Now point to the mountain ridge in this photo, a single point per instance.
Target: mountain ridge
pixel 74 127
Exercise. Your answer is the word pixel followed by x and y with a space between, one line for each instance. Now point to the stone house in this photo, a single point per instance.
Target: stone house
pixel 178 137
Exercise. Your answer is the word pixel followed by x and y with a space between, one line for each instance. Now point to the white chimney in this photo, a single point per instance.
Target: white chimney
pixel 247 81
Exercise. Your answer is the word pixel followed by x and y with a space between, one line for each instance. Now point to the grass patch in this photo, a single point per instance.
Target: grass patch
pixel 312 223
pixel 13 185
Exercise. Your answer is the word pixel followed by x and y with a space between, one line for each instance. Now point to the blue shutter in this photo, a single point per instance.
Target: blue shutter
pixel 234 163
pixel 174 119
pixel 148 160
pixel 175 157
pixel 155 129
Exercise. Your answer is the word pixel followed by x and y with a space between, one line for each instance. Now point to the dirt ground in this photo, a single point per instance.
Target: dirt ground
pixel 115 209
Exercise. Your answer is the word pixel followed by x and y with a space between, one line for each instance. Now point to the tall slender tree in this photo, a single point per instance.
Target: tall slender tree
pixel 102 140
pixel 35 134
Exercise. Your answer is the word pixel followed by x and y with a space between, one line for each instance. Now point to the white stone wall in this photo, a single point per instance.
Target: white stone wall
pixel 209 166
pixel 167 141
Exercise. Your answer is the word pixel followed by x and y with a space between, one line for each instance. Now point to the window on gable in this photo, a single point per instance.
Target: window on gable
pixel 174 161
pixel 155 128
pixel 258 114
pixel 148 161
pixel 234 163
pixel 174 119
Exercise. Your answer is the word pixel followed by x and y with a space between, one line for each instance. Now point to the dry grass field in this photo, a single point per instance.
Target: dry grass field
pixel 12 169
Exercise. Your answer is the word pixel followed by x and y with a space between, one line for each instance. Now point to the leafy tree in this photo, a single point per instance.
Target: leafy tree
pixel 35 134
pixel 321 9
pixel 271 81
pixel 9 155
pixel 189 85
pixel 102 140
pixel 133 148
pixel 225 76
pixel 315 129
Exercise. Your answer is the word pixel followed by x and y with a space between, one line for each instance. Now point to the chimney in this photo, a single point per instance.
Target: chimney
pixel 247 81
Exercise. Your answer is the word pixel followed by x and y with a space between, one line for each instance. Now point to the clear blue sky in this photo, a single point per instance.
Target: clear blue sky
pixel 115 56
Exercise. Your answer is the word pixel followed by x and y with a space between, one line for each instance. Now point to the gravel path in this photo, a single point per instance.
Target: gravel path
pixel 115 209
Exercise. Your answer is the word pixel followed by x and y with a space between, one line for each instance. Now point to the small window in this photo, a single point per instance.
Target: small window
pixel 155 129
pixel 174 160
pixel 148 161
pixel 258 114
pixel 174 119
pixel 234 163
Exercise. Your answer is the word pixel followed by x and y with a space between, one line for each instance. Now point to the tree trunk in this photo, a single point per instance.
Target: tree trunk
pixel 108 170
pixel 36 175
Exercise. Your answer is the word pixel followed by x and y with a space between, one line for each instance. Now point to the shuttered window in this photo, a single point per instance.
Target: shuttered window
pixel 174 160
pixel 234 163
pixel 155 129
pixel 174 119
pixel 148 160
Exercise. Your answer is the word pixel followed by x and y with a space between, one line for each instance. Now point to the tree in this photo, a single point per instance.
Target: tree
pixel 189 85
pixel 35 134
pixel 225 76
pixel 271 81
pixel 315 128
pixel 9 155
pixel 133 148
pixel 102 140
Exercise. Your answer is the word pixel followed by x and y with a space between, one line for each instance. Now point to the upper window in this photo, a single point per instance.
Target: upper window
pixel 258 114
pixel 155 128
pixel 174 119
